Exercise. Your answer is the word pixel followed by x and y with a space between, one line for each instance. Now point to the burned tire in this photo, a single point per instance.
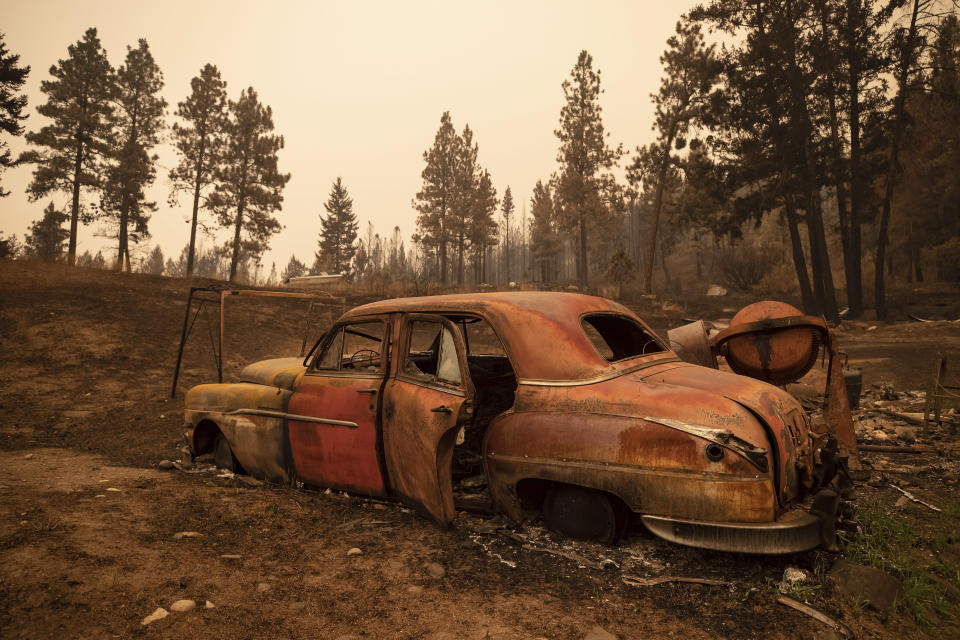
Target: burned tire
pixel 584 514
pixel 223 455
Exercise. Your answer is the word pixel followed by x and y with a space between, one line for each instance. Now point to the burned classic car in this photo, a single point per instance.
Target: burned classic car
pixel 566 406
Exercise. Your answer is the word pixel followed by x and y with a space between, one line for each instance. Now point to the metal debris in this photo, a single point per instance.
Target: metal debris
pixel 913 498
pixel 839 627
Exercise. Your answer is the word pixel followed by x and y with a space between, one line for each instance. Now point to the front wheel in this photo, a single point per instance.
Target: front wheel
pixel 223 455
pixel 585 514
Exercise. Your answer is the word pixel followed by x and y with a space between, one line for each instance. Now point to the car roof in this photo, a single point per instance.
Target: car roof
pixel 540 329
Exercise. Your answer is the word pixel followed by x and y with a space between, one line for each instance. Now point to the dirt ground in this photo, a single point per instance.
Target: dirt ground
pixel 90 528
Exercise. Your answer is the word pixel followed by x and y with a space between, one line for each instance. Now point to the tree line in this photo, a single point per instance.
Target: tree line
pixel 104 124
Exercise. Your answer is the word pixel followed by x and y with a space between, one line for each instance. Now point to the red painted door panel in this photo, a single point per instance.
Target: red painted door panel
pixel 343 385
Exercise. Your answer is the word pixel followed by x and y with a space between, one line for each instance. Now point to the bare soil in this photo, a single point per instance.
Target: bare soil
pixel 88 524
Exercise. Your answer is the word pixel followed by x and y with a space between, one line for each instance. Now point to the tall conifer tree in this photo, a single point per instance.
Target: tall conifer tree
pixel 338 231
pixel 199 141
pixel 249 185
pixel 12 103
pixel 71 148
pixel 436 197
pixel 139 123
pixel 585 182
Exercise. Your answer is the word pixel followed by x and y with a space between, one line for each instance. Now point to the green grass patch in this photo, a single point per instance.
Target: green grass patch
pixel 890 543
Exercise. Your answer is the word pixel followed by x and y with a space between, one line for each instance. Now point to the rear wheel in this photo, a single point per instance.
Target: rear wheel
pixel 223 455
pixel 585 514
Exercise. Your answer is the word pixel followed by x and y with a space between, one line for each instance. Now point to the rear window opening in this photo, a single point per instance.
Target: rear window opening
pixel 618 337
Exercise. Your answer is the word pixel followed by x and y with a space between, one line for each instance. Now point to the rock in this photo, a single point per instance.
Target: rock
pixel 901 501
pixel 187 534
pixel 165 465
pixel 872 328
pixel 209 605
pixel 436 571
pixel 879 589
pixel 159 614
pixel 714 290
pixel 263 587
pixel 29 456
pixel 100 495
pixel 599 633
pixel 356 551
pixel 906 433
pixel 230 556
pixel 414 589
pixel 114 489
pixel 182 606
pixel 608 564
pixel 880 435
pixel 791 576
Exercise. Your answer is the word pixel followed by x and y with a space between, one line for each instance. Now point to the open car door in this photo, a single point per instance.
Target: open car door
pixel 424 405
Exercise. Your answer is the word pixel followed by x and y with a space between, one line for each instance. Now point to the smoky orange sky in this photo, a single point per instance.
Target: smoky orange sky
pixel 357 90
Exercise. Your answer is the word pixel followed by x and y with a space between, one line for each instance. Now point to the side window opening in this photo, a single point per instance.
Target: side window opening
pixel 619 337
pixel 432 355
pixel 355 347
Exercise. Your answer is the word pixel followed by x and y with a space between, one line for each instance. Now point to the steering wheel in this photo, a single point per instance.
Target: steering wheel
pixel 364 354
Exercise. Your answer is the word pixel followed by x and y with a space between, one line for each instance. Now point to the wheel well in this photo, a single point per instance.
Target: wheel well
pixel 204 436
pixel 531 493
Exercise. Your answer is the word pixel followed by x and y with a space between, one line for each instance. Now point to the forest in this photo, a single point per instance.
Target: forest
pixel 802 148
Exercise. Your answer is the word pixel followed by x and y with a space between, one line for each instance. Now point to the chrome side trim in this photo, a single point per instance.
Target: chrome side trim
pixel 533 382
pixel 291 416
pixel 785 535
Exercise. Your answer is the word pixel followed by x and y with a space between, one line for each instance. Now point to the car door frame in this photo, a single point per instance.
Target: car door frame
pixel 434 497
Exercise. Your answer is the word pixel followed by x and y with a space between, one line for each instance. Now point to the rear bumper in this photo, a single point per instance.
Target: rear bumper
pixel 795 530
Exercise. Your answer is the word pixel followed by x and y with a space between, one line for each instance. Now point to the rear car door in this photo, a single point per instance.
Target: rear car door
pixel 336 444
pixel 424 405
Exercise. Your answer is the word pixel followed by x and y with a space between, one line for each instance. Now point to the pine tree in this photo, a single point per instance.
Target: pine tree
pixel 154 263
pixel 72 147
pixel 294 269
pixel 436 197
pixel 545 244
pixel 584 184
pixel 12 79
pixel 482 228
pixel 249 186
pixel 338 232
pixel 139 123
pixel 690 72
pixel 47 235
pixel 506 210
pixel 199 141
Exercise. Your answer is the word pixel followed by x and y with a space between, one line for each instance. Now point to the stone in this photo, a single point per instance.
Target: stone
pixel 906 433
pixel 159 614
pixel 165 465
pixel 356 551
pixel 114 489
pixel 230 556
pixel 187 534
pixel 182 606
pixel 435 570
pixel 791 576
pixel 877 588
pixel 100 495
pixel 901 502
pixel 414 589
pixel 209 605
pixel 716 290
pixel 263 587
pixel 880 435
pixel 29 456
pixel 597 632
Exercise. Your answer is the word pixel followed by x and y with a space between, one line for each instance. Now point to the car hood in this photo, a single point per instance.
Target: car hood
pixel 278 372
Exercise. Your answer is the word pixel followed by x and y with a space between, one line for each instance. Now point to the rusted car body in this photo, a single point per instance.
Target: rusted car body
pixel 568 405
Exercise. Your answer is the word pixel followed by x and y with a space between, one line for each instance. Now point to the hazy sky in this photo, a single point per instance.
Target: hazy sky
pixel 357 90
